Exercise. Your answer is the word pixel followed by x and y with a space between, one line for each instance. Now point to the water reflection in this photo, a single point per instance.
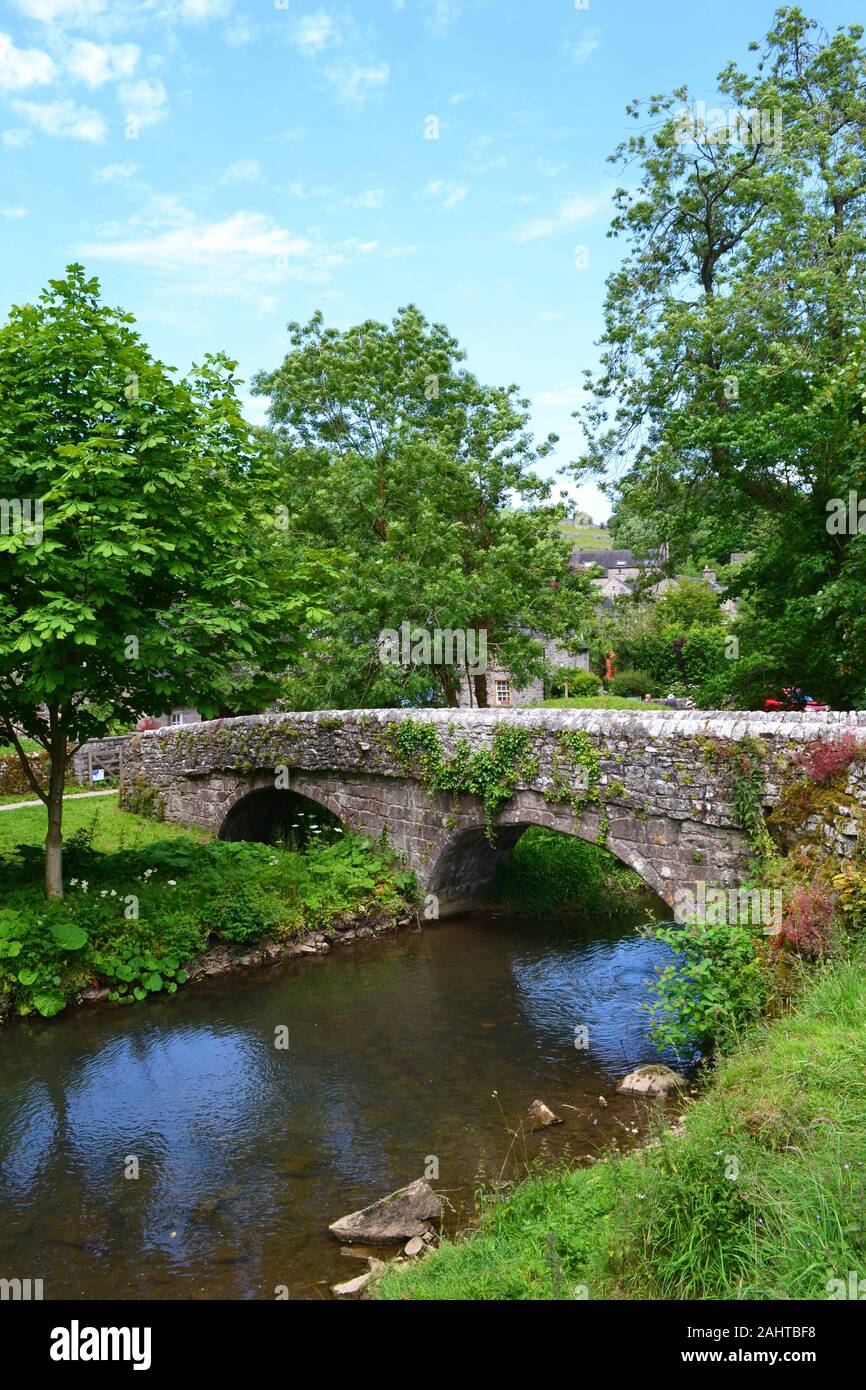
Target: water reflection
pixel 246 1152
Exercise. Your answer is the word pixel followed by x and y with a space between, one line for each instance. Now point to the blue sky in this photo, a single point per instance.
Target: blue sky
pixel 225 166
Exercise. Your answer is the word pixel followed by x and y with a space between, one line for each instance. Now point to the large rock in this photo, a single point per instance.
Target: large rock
pixel 541 1117
pixel 406 1213
pixel 353 1288
pixel 653 1080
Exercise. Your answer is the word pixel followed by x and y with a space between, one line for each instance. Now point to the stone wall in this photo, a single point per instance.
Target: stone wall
pixel 664 804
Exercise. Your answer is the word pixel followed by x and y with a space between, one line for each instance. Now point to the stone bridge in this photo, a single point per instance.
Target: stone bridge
pixel 656 788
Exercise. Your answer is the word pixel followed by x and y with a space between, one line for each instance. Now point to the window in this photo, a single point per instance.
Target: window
pixel 503 692
pixel 177 716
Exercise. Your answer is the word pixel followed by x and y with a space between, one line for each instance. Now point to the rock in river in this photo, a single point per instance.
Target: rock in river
pixel 540 1117
pixel 353 1288
pixel 655 1080
pixel 406 1213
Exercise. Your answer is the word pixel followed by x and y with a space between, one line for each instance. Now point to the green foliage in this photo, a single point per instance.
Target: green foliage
pixel 424 478
pixel 580 683
pixel 548 872
pixel 749 789
pixel 733 351
pixel 187 895
pixel 490 773
pixel 629 684
pixel 160 575
pixel 717 988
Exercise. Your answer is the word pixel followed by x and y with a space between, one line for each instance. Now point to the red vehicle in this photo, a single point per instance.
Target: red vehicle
pixel 793 698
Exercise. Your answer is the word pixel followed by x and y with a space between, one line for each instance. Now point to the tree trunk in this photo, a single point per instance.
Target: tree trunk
pixel 54 838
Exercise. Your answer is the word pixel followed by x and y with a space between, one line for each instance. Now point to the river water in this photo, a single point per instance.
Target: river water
pixel 427 1045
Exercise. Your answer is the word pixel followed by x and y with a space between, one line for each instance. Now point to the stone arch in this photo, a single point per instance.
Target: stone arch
pixel 465 867
pixel 263 813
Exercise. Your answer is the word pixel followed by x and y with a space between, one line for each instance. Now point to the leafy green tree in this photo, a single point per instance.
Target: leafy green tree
pixel 151 571
pixel 733 372
pixel 424 478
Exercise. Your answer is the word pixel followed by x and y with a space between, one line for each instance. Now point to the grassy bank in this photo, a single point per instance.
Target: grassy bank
pixel 144 900
pixel 762 1198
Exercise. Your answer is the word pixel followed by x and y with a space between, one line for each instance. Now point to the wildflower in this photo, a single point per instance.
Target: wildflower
pixel 172 883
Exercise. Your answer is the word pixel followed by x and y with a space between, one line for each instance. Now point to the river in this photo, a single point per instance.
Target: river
pixel 424 1046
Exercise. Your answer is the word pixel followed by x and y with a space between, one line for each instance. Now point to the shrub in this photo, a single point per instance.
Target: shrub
pixel 630 683
pixel 719 986
pixel 807 921
pixel 581 684
pixel 825 759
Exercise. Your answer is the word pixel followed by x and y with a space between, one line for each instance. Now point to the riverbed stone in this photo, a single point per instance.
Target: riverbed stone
pixel 541 1116
pixel 352 1288
pixel 398 1217
pixel 414 1247
pixel 654 1079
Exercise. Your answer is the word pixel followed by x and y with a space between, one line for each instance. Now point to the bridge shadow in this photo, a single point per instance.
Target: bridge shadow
pixel 269 816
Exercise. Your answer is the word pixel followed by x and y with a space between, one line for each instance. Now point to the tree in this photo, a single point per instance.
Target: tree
pixel 392 451
pixel 733 372
pixel 151 572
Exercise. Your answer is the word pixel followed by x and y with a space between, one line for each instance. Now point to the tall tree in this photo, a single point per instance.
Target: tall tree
pixel 424 477
pixel 733 368
pixel 140 562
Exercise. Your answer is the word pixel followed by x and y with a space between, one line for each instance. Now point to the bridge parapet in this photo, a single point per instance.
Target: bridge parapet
pixel 656 787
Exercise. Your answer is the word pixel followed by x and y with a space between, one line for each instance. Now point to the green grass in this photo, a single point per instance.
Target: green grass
pixel 786 1112
pixel 587 537
pixel 144 900
pixel 598 702
pixel 113 829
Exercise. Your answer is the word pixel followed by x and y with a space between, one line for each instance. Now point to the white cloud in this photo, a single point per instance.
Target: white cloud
pixel 197 11
pixel 144 100
pixel 64 119
pixel 114 173
pixel 247 255
pixel 243 171
pixel 244 237
pixel 239 32
pixel 292 136
pixel 314 32
pixel 369 199
pixel 584 48
pixel 62 12
pixel 550 168
pixel 569 393
pixel 23 67
pixel 448 195
pixel 95 64
pixel 15 138
pixel 354 81
pixel 14 214
pixel 578 208
pixel 441 15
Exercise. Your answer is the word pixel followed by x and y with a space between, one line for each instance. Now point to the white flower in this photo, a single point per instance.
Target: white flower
pixel 172 882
